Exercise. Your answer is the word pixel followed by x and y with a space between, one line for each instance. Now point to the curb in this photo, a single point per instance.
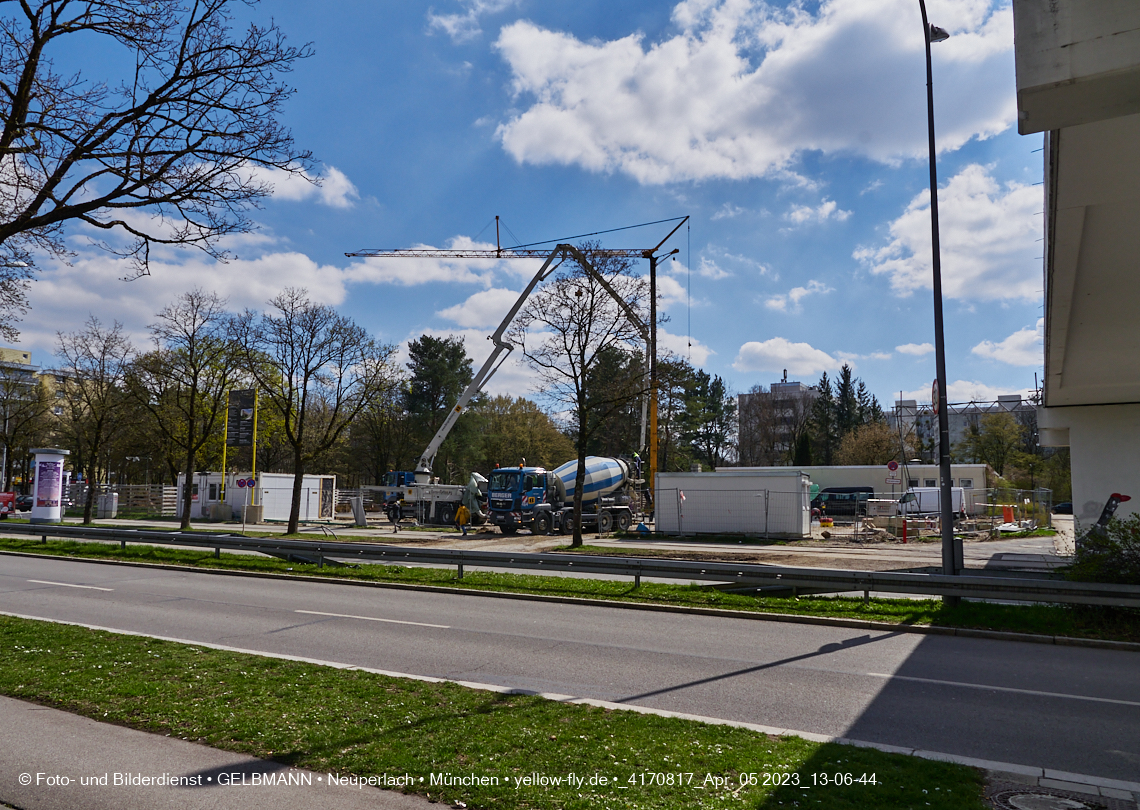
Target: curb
pixel 791 618
pixel 1005 771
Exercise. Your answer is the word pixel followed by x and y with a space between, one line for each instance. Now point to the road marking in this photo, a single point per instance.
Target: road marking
pixel 371 619
pixel 69 585
pixel 1033 692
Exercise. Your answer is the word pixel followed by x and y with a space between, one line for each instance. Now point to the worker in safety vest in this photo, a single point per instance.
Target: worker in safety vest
pixel 462 518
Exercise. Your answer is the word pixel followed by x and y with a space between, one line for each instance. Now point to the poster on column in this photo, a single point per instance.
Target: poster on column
pixel 49 481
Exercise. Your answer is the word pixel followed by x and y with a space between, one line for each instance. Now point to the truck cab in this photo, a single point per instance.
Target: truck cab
pixel 513 494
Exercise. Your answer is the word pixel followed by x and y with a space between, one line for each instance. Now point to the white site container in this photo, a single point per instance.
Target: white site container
pixel 272 491
pixel 730 501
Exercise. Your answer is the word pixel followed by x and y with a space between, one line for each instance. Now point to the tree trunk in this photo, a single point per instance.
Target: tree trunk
pixel 90 494
pixel 298 480
pixel 579 487
pixel 184 523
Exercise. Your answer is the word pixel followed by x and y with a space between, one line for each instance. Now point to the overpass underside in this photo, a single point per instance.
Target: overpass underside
pixel 1078 77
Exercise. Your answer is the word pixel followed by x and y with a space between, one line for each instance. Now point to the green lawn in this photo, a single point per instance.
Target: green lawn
pixel 350 722
pixel 1054 620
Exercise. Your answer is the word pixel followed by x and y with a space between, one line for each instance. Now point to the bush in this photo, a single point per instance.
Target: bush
pixel 1110 557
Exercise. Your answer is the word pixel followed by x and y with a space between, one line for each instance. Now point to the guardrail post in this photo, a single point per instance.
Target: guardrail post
pixel 43 538
pixel 321 561
pixel 122 544
pixel 866 597
pixel 217 553
pixel 637 580
pixel 461 570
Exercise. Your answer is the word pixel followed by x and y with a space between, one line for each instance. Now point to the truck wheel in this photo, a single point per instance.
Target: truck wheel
pixel 508 530
pixel 446 514
pixel 541 524
pixel 605 522
pixel 623 521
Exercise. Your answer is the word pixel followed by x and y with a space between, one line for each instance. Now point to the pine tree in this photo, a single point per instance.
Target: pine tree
pixel 823 421
pixel 847 415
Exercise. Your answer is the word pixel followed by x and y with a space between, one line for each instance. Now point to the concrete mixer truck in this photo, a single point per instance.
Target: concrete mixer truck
pixel 543 500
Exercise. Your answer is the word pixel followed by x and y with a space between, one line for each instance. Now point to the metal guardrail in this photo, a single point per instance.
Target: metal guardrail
pixel 750 575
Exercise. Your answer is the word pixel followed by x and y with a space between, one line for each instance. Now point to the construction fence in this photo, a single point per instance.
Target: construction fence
pixel 135 500
pixel 752 512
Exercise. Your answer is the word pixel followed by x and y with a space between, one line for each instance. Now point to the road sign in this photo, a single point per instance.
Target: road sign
pixel 892 480
pixel 892 465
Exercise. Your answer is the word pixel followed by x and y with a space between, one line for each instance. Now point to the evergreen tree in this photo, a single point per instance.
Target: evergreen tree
pixel 710 416
pixel 823 421
pixel 440 370
pixel 847 410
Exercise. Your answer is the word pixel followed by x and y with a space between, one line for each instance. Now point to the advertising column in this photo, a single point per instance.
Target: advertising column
pixel 47 497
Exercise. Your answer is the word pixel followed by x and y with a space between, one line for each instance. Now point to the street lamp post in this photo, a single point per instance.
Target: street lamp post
pixel 952 562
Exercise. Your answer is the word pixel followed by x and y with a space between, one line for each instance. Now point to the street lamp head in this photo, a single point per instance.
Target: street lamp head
pixel 938 34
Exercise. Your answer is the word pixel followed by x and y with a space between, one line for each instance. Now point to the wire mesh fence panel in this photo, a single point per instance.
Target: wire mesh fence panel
pixel 739 511
pixel 146 500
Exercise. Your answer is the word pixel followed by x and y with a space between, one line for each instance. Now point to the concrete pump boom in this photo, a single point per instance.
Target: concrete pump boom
pixel 503 347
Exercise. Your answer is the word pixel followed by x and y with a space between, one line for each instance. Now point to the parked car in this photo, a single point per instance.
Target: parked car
pixel 1063 508
pixel 833 501
pixel 24 503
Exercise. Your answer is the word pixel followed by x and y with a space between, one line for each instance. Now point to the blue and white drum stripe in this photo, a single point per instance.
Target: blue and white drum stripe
pixel 603 476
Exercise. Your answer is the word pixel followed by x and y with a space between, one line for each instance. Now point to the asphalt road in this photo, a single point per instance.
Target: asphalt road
pixel 1067 708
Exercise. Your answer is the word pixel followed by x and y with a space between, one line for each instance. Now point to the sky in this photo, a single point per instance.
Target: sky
pixel 792 135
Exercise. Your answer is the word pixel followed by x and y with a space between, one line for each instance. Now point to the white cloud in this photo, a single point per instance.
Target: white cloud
pixel 916 349
pixel 465 26
pixel 1023 348
pixel 778 353
pixel 728 211
pixel 65 295
pixel 805 214
pixel 746 87
pixel 795 295
pixel 332 187
pixel 962 391
pixel 671 293
pixel 987 236
pixel 689 348
pixel 711 270
pixel 486 308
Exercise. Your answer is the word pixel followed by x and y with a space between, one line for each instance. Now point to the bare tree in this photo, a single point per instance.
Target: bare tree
pixel 566 327
pixel 25 402
pixel 95 362
pixel 318 368
pixel 166 155
pixel 184 381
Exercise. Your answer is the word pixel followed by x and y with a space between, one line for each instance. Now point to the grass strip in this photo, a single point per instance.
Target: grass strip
pixel 1114 624
pixel 350 722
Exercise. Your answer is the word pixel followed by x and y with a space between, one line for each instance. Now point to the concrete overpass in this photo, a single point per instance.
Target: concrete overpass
pixel 1078 81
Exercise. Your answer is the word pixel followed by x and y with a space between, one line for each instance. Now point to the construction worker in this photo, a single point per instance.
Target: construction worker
pixel 462 518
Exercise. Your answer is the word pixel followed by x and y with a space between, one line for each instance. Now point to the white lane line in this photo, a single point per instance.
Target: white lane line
pixel 69 585
pixel 986 687
pixel 371 619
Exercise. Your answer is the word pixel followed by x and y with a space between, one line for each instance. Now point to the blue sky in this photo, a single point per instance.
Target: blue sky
pixel 794 136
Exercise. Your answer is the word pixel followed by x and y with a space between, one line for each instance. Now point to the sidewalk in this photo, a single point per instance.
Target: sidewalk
pixel 44 745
